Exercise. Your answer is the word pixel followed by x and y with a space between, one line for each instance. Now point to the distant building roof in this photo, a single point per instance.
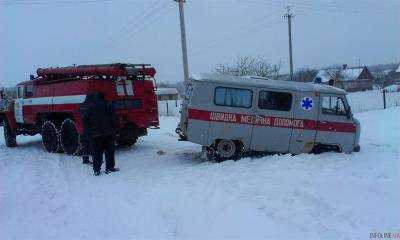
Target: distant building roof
pixel 348 74
pixel 163 91
pixel 398 69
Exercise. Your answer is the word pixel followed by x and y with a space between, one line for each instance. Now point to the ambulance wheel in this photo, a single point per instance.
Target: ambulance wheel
pixel 50 137
pixel 226 150
pixel 9 136
pixel 69 137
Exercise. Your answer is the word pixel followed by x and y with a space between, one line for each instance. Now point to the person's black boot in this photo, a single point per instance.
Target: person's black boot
pixel 112 170
pixel 96 173
pixel 85 160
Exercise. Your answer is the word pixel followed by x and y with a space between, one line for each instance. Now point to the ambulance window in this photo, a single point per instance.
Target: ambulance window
pixel 333 106
pixel 233 97
pixel 278 101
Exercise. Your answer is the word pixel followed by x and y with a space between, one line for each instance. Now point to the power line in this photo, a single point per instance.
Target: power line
pixel 143 26
pixel 137 21
pixel 244 33
pixel 46 2
pixel 136 25
pixel 153 21
pixel 334 6
pixel 243 30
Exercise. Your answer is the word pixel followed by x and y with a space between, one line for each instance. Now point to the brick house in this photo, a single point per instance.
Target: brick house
pixel 351 79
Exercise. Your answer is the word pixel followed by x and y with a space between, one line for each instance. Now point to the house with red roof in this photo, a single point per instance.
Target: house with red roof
pixel 351 79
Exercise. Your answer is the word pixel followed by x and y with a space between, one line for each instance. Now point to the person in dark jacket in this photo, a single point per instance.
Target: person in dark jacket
pixel 86 138
pixel 100 125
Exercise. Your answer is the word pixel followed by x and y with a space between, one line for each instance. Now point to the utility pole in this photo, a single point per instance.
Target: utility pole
pixel 183 39
pixel 289 16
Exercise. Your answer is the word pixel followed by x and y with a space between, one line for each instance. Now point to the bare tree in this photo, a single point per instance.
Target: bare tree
pixel 305 75
pixel 384 74
pixel 249 66
pixel 10 92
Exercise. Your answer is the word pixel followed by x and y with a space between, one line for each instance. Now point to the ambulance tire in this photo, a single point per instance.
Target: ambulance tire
pixel 9 136
pixel 321 148
pixel 69 137
pixel 227 149
pixel 50 137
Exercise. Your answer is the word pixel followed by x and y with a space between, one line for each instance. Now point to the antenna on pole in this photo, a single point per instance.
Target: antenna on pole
pixel 289 15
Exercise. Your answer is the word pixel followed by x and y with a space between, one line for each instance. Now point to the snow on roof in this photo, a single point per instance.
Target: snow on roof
pixel 398 69
pixel 348 74
pixel 164 91
pixel 277 84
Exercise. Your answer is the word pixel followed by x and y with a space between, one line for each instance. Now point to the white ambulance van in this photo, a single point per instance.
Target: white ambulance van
pixel 231 115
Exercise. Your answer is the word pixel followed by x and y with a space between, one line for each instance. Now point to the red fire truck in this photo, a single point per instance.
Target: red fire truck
pixel 49 104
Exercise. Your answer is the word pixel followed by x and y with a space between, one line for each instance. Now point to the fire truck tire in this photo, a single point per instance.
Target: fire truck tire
pixel 128 138
pixel 226 149
pixel 69 137
pixel 9 136
pixel 50 137
pixel 127 143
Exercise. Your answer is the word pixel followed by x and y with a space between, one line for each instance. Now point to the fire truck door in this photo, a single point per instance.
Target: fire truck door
pixel 18 105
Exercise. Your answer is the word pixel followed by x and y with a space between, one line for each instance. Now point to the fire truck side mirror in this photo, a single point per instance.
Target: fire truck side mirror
pixel 31 77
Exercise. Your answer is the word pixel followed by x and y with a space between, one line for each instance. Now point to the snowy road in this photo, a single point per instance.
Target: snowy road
pixel 178 195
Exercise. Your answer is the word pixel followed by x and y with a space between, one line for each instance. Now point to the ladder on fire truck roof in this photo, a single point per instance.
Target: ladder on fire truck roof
pixel 113 69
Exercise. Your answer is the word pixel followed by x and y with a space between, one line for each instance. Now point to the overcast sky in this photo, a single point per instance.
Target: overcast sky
pixel 43 33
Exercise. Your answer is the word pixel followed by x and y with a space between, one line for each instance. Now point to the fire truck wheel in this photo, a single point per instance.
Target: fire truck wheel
pixel 128 137
pixel 9 136
pixel 69 137
pixel 126 142
pixel 50 137
pixel 226 149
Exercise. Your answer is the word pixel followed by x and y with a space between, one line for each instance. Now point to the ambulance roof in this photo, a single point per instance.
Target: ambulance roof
pixel 276 84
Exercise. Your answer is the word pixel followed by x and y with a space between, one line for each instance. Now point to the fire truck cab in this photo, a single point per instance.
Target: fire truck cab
pixel 230 115
pixel 50 104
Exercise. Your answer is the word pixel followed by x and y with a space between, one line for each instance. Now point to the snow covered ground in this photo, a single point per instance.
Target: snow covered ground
pixel 178 195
